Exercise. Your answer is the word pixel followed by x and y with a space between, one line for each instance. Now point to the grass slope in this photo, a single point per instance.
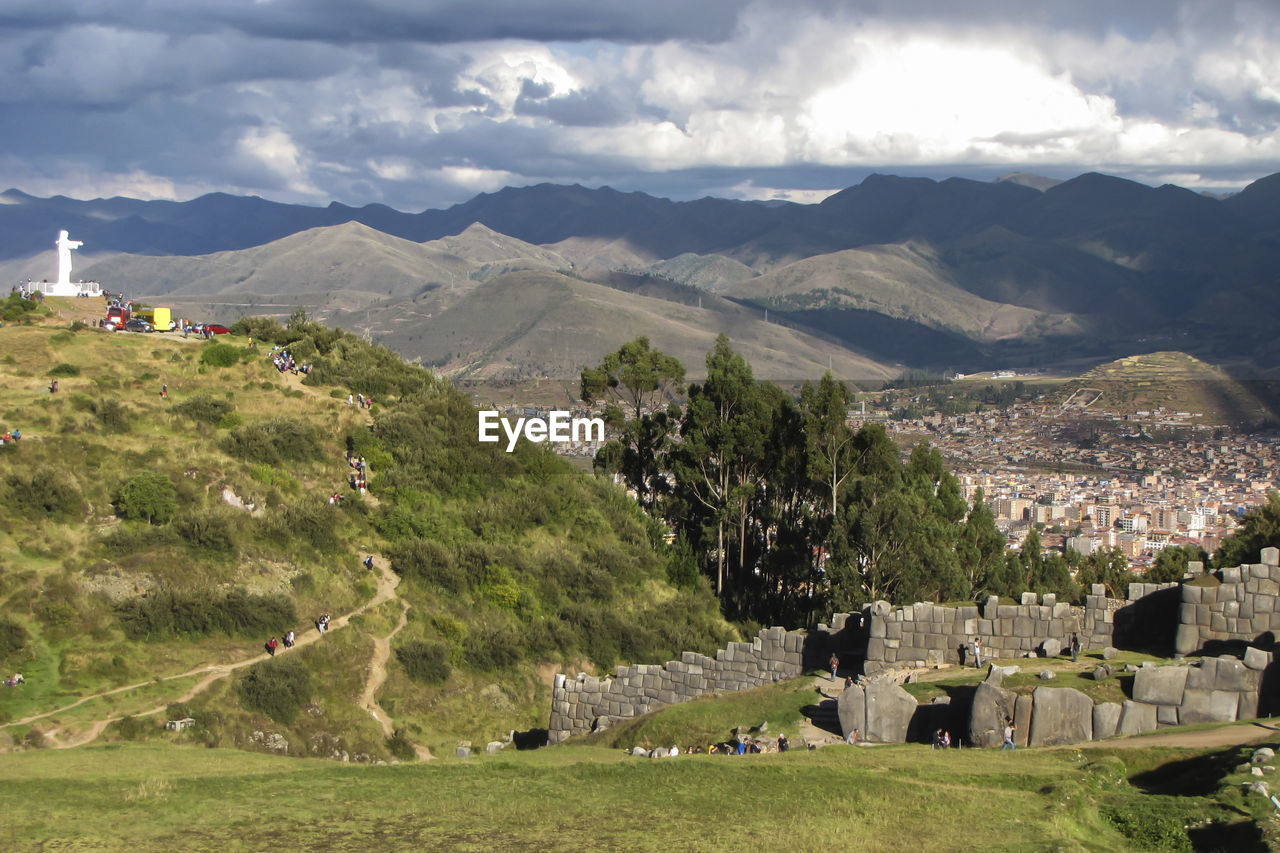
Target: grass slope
pixel 906 282
pixel 532 324
pixel 513 565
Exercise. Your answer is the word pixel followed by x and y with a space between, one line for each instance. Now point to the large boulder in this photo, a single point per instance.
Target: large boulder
pixel 852 709
pixel 1160 685
pixel 1136 718
pixel 889 712
pixel 1208 706
pixel 992 709
pixel 1062 715
pixel 1187 640
pixel 1051 647
pixel 1106 719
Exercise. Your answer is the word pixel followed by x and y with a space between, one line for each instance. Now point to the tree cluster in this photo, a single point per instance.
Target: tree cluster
pixel 788 510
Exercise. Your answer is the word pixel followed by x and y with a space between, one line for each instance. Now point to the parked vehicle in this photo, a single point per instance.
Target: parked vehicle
pixel 137 324
pixel 217 329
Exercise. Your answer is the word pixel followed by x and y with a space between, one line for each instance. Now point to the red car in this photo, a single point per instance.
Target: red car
pixel 218 330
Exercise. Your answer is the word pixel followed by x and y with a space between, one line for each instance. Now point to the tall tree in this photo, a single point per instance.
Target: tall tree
pixel 981 548
pixel 641 379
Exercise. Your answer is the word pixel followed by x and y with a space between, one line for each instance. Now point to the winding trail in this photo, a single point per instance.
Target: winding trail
pixel 378 674
pixel 386 590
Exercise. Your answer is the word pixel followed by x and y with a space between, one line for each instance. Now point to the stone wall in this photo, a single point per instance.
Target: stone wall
pixel 588 703
pixel 927 634
pixel 1217 689
pixel 1244 608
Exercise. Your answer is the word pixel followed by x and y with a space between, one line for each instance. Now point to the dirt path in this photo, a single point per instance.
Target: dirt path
pixel 386 590
pixel 378 677
pixel 1228 735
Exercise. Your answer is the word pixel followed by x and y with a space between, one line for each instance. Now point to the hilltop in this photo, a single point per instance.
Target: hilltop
pixel 1172 382
pixel 153 543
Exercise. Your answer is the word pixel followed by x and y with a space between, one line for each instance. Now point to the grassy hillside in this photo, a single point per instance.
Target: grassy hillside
pixel 145 537
pixel 533 324
pixel 906 282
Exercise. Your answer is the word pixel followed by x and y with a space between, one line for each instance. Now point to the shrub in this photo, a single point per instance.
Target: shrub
pixel 274 441
pixel 493 648
pixel 113 415
pixel 279 688
pixel 205 530
pixel 63 370
pixel 400 746
pixel 44 493
pixel 149 496
pixel 130 727
pixel 13 638
pixel 220 355
pixel 165 613
pixel 425 662
pixel 204 408
pixel 427 562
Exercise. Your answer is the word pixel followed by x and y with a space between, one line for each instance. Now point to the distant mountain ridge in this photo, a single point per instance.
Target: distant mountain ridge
pixel 950 273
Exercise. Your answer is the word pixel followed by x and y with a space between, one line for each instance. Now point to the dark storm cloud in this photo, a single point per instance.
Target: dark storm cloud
pixel 425 103
pixel 427 21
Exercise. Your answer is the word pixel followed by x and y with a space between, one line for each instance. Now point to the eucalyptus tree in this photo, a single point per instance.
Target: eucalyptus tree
pixel 643 380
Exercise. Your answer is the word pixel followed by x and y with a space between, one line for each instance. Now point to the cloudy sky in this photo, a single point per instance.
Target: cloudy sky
pixel 424 103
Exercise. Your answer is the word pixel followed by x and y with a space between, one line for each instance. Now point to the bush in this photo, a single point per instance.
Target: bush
pixel 64 370
pixel 206 530
pixel 13 638
pixel 427 562
pixel 113 415
pixel 44 493
pixel 149 496
pixel 425 662
pixel 15 308
pixel 279 688
pixel 400 746
pixel 274 441
pixel 204 408
pixel 220 355
pixel 164 613
pixel 494 648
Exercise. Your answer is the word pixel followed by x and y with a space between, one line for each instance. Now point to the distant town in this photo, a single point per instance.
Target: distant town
pixel 1091 479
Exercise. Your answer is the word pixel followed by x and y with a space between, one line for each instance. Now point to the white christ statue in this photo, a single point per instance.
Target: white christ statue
pixel 65 244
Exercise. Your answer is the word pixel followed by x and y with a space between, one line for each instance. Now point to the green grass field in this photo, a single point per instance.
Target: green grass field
pixel 155 797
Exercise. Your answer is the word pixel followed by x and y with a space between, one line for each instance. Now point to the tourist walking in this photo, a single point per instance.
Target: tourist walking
pixel 272 645
pixel 1075 648
pixel 977 652
pixel 835 665
pixel 1008 738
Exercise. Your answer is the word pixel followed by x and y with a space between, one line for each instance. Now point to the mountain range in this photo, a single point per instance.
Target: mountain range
pixel 892 272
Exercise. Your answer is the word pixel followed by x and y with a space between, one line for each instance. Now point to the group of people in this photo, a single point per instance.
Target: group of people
pixel 14 680
pixel 942 739
pixel 359 477
pixel 335 499
pixel 322 624
pixel 285 363
pixel 29 292
pixel 10 437
pixel 360 400
pixel 274 644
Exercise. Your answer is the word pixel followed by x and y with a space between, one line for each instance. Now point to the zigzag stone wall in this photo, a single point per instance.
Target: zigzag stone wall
pixel 588 703
pixel 1244 608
